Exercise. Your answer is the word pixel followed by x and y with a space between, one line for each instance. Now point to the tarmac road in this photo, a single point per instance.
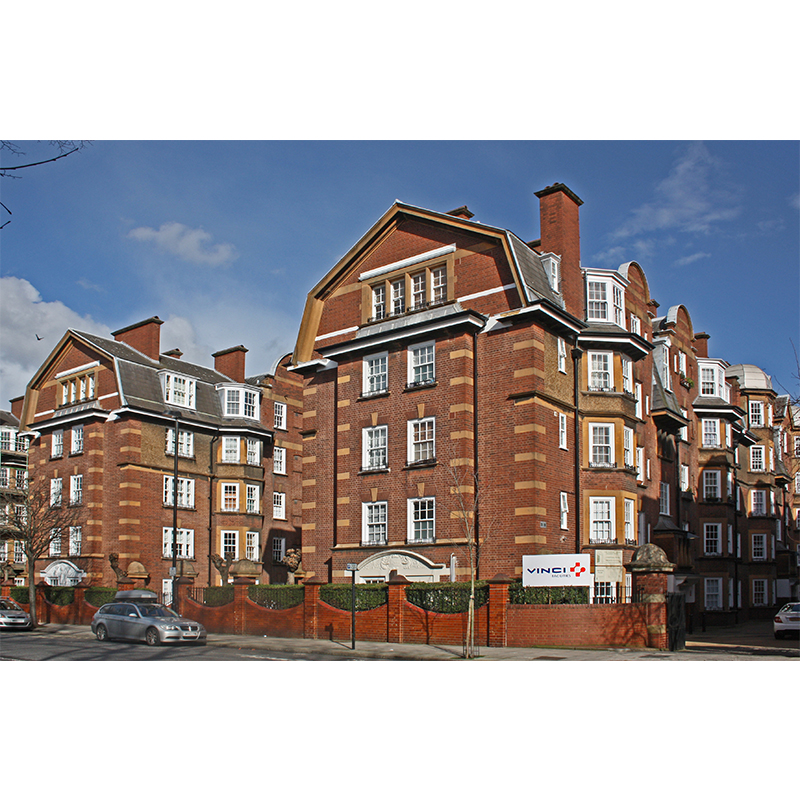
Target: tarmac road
pixel 746 642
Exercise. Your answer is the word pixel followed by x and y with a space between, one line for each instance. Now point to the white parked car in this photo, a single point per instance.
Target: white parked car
pixel 787 621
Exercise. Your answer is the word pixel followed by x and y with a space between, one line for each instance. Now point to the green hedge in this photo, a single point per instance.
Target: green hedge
pixel 446 598
pixel 368 595
pixel 217 595
pixel 100 595
pixel 547 595
pixel 276 596
pixel 59 595
pixel 19 593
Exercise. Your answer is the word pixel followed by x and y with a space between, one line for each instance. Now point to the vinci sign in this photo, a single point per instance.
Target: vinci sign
pixel 567 570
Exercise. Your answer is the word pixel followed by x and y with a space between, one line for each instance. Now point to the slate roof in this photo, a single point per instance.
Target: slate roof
pixel 140 384
pixel 532 272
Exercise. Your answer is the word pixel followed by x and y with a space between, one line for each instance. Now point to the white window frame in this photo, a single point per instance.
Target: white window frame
pixel 231 449
pixel 601 372
pixel 759 547
pixel 601 522
pixel 229 496
pixel 228 538
pixel 76 439
pixel 758 502
pixel 416 365
pixel 374 529
pixel 628 446
pixel 712 484
pixel 627 374
pixel 254 452
pixel 562 355
pixel 712 538
pixel 416 444
pixel 712 588
pixel 252 498
pixel 597 300
pixel 280 415
pixel 397 299
pixel 251 548
pixel 57 444
pixel 179 390
pixel 279 505
pixel 185 443
pixel 760 592
pixel 562 431
pixel 54 549
pixel 56 492
pixel 75 540
pixel 185 492
pixel 757 460
pixel 375 374
pixel 711 437
pixel 663 499
pixel 564 510
pixel 604 448
pixel 374 441
pixel 279 460
pixel 379 302
pixel 684 478
pixel 629 509
pixel 75 490
pixel 755 413
pixel 184 540
pixel 636 324
pixel 278 549
pixel 416 506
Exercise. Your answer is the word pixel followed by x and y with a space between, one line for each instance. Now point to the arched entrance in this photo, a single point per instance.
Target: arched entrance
pixel 411 566
pixel 62 573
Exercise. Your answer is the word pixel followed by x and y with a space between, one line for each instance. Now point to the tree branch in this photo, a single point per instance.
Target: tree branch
pixel 38 163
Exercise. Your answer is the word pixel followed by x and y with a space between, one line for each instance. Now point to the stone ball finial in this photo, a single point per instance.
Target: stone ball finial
pixel 650 558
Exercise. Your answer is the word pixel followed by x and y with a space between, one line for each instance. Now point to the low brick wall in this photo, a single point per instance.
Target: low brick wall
pixel 624 625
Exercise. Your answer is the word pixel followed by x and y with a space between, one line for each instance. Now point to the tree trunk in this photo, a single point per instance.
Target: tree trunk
pixel 32 594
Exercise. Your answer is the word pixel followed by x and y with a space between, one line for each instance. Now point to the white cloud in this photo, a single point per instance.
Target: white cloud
pixel 682 262
pixel 189 244
pixel 691 199
pixel 29 329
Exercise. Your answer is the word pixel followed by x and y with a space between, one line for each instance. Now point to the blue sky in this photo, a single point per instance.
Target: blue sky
pixel 224 239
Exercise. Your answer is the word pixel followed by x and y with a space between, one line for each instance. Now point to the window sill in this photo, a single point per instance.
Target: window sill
pixel 431 462
pixel 374 471
pixel 415 387
pixel 373 395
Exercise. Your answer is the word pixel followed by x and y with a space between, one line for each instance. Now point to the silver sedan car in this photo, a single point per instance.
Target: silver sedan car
pixel 12 615
pixel 787 621
pixel 146 621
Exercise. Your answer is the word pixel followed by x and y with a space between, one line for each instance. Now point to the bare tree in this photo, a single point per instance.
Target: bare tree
pixel 466 493
pixel 65 147
pixel 37 519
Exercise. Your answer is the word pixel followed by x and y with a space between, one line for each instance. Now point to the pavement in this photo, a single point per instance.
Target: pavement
pixel 746 642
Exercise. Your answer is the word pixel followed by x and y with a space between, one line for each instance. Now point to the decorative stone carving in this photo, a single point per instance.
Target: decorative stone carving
pixel 121 574
pixel 650 558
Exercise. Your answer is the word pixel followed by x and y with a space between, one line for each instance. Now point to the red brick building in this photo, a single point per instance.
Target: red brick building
pixel 106 416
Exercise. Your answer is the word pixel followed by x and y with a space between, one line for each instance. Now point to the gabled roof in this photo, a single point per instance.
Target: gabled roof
pixel 529 276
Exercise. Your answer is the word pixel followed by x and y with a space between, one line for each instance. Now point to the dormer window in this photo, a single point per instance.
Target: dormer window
pixel 712 381
pixel 178 390
pixel 239 401
pixel 605 299
pixel 552 268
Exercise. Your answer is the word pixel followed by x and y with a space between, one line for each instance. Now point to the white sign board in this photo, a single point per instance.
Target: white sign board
pixel 562 570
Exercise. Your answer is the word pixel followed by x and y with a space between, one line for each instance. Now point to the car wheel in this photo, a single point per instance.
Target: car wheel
pixel 779 634
pixel 101 633
pixel 152 638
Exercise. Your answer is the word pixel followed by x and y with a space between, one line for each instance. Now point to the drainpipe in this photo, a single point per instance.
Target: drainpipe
pixel 577 353
pixel 211 448
pixel 475 528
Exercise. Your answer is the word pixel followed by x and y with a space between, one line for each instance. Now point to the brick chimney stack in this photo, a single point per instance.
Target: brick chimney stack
pixel 701 344
pixel 230 362
pixel 143 336
pixel 560 234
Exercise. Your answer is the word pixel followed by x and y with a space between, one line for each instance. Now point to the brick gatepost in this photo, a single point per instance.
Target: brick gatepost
pixel 497 624
pixel 182 587
pixel 649 570
pixel 311 607
pixel 396 606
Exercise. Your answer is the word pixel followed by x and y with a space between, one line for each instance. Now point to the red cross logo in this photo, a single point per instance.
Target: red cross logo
pixel 578 567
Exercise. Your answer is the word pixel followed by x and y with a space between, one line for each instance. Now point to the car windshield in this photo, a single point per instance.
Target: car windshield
pixel 156 610
pixel 8 605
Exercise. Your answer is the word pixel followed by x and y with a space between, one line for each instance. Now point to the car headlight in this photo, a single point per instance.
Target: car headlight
pixel 170 627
